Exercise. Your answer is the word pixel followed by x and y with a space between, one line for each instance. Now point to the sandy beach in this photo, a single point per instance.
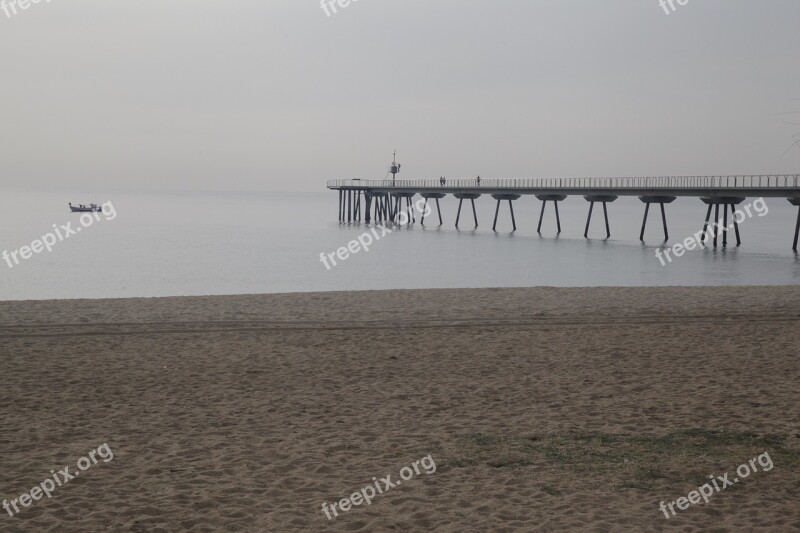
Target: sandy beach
pixel 543 409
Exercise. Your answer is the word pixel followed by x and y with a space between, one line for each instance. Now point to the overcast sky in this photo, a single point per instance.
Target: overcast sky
pixel 275 95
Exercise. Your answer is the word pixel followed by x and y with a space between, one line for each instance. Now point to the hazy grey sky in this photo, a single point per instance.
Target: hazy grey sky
pixel 275 95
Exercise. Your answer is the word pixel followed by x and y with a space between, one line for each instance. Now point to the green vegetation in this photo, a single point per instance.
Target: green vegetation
pixel 643 461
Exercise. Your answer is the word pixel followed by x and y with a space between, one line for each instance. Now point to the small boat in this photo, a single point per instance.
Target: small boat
pixel 91 208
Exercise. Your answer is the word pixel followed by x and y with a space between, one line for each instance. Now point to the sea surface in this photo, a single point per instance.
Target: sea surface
pixel 169 244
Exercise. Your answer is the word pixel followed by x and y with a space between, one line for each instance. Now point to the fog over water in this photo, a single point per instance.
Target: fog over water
pixel 156 105
pixel 196 244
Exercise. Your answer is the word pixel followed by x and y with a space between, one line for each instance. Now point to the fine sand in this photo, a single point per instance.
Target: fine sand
pixel 543 409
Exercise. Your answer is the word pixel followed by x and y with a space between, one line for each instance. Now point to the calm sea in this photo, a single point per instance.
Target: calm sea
pixel 235 243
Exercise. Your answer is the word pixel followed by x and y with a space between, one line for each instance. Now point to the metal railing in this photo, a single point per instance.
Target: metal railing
pixel 780 181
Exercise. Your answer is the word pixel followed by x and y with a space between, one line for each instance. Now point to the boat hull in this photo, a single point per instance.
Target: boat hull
pixel 90 209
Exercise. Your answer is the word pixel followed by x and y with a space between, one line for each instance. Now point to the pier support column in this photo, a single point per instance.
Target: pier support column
pixel 796 231
pixel 796 201
pixel 555 198
pixel 398 208
pixel 736 226
pixel 500 198
pixel 588 221
pixel 721 226
pixel 644 222
pixel 402 204
pixel 467 196
pixel 410 205
pixel 724 225
pixel 705 225
pixel 558 218
pixel 661 200
pixel 474 212
pixel 341 196
pixel 367 205
pixel 541 217
pixel 603 199
pixel 386 202
pixel 380 208
pixel 435 196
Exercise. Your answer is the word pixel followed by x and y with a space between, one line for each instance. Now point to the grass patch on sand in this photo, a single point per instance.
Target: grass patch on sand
pixel 644 462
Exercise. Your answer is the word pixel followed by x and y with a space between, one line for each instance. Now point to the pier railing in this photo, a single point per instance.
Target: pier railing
pixel 779 181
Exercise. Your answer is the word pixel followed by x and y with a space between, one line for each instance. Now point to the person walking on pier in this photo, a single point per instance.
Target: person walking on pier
pixel 478 179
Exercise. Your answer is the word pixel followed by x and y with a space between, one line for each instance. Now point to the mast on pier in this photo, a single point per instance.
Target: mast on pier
pixel 394 168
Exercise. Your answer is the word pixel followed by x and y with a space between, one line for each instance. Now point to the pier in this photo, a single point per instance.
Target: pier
pixel 384 200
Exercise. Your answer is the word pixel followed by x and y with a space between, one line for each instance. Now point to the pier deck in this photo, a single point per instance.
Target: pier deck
pixel 785 185
pixel 387 196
